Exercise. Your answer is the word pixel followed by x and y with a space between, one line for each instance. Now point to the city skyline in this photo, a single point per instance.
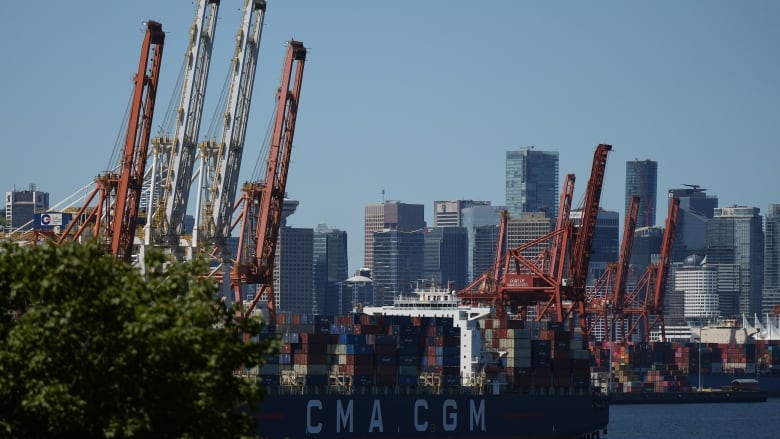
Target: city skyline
pixel 697 95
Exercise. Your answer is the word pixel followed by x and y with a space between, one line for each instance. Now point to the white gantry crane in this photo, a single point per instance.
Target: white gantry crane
pixel 221 158
pixel 174 157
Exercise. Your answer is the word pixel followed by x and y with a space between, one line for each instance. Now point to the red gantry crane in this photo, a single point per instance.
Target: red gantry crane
pixel 645 304
pixel 539 282
pixel 114 217
pixel 604 303
pixel 262 201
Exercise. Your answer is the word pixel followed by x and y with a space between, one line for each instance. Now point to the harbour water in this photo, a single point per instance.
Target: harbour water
pixel 693 421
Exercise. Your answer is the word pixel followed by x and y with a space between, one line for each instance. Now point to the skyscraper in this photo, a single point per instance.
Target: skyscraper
pixel 771 293
pixel 293 274
pixel 735 236
pixel 446 256
pixel 696 208
pixel 527 228
pixel 642 180
pixel 330 267
pixel 699 286
pixel 391 215
pixel 481 223
pixel 606 241
pixel 398 263
pixel 532 182
pixel 21 207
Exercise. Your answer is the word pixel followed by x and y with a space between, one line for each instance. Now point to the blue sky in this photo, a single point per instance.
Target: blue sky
pixel 421 99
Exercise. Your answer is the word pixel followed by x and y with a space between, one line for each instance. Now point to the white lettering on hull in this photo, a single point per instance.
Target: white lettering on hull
pixel 420 403
pixel 345 416
pixel 449 415
pixel 310 428
pixel 342 417
pixel 376 417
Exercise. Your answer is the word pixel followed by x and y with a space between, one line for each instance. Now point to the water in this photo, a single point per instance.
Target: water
pixel 693 421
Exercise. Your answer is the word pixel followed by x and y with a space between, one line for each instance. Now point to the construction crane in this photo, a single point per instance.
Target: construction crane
pixel 221 159
pixel 262 201
pixel 604 303
pixel 114 217
pixel 175 156
pixel 645 304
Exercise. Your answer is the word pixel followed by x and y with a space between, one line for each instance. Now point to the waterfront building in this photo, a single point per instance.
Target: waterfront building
pixel 532 182
pixel 696 208
pixel 450 213
pixel 642 180
pixel 390 215
pixel 398 258
pixel 330 269
pixel 735 237
pixel 446 256
pixel 21 207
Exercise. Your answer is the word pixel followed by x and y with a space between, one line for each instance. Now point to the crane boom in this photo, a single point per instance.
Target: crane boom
pixel 167 221
pixel 263 201
pixel 222 161
pixel 116 213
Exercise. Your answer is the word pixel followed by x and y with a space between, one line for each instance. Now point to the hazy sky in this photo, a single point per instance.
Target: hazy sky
pixel 421 99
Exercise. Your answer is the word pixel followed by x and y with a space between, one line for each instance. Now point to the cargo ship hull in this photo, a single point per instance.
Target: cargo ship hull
pixel 432 416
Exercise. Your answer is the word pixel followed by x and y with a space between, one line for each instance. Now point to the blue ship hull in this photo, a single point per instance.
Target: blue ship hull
pixel 431 416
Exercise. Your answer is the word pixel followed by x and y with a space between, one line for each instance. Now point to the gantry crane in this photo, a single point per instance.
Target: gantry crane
pixel 175 156
pixel 262 201
pixel 539 282
pixel 646 302
pixel 114 217
pixel 221 159
pixel 604 303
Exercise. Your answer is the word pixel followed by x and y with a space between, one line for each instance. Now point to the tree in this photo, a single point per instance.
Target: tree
pixel 92 347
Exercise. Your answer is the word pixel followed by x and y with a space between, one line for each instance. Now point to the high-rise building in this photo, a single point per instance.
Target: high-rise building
pixel 532 182
pixel 398 263
pixel 293 274
pixel 21 207
pixel 446 256
pixel 735 236
pixel 699 286
pixel 646 248
pixel 450 213
pixel 391 215
pixel 696 208
pixel 526 228
pixel 606 241
pixel 330 268
pixel 642 180
pixel 771 293
pixel 482 224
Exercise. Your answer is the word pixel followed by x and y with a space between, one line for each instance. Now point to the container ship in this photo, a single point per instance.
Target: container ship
pixel 429 367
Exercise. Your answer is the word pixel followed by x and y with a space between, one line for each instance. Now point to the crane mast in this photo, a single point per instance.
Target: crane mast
pixel 115 216
pixel 179 153
pixel 221 159
pixel 262 201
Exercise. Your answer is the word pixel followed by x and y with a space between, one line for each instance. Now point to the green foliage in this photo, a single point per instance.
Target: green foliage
pixel 92 347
